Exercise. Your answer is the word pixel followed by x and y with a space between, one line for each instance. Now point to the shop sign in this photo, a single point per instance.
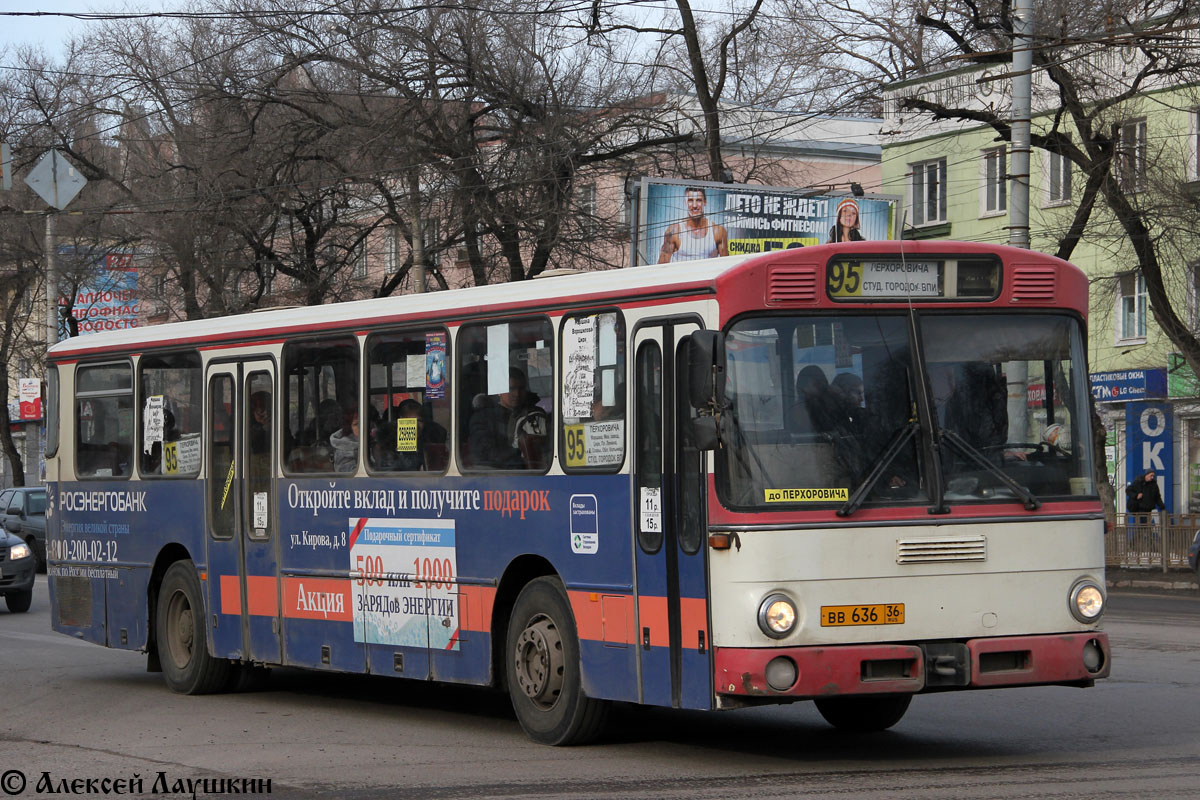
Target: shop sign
pixel 1128 384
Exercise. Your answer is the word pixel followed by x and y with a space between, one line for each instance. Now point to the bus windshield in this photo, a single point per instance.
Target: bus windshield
pixel 815 402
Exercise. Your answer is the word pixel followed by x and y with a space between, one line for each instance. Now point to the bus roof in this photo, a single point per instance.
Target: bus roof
pixel 580 290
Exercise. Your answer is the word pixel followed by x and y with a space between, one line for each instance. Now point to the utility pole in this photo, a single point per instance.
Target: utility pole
pixel 418 232
pixel 1022 85
pixel 51 283
pixel 1017 373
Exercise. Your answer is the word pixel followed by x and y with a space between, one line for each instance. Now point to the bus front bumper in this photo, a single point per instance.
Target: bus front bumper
pixel 1074 659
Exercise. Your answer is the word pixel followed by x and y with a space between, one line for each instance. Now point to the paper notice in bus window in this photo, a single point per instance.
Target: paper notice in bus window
pixel 579 366
pixel 415 378
pixel 650 508
pixel 406 435
pixel 594 444
pixel 188 449
pixel 497 358
pixel 831 495
pixel 608 340
pixel 152 422
pixel 260 510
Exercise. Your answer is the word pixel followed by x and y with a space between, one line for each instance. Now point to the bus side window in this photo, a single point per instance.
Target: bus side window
pixel 506 380
pixel 169 431
pixel 104 421
pixel 593 392
pixel 408 402
pixel 321 430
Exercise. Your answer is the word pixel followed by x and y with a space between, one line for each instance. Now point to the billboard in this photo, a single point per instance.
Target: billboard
pixel 684 221
pixel 107 298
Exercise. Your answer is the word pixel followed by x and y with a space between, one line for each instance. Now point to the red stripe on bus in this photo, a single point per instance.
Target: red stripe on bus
pixel 318 598
pixel 603 617
pixel 479 601
pixel 231 595
pixel 262 595
pixel 652 615
pixel 693 612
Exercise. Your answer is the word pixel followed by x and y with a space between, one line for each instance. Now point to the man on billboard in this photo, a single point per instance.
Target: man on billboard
pixel 697 237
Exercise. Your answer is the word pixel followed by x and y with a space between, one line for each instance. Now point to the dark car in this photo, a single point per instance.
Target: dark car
pixel 17 569
pixel 24 515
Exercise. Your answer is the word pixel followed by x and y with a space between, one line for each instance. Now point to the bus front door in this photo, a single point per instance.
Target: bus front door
pixel 673 632
pixel 243 532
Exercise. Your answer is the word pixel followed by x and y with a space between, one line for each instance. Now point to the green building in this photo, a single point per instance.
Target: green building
pixel 953 178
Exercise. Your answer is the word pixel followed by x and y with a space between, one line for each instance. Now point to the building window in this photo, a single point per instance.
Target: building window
pixel 1131 155
pixel 1193 156
pixel 391 247
pixel 1131 312
pixel 1058 179
pixel 929 192
pixel 358 258
pixel 586 199
pixel 995 181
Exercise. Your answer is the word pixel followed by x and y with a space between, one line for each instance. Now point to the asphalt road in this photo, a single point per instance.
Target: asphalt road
pixel 78 712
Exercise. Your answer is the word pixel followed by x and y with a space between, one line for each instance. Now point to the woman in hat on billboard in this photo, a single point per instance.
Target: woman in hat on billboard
pixel 845 228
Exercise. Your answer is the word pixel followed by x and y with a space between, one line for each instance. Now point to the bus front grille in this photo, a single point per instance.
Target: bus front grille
pixel 935 549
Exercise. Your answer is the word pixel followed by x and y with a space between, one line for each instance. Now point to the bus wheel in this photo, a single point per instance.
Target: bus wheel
pixel 863 714
pixel 543 669
pixel 182 650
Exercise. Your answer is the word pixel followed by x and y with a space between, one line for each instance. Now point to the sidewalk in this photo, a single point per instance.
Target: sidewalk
pixel 1154 580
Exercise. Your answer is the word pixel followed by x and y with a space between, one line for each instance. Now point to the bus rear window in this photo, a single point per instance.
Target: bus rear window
pixel 104 421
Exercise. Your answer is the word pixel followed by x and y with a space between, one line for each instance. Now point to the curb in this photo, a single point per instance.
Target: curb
pixel 1126 579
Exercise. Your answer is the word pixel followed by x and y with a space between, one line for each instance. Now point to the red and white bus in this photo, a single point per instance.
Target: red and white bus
pixel 850 473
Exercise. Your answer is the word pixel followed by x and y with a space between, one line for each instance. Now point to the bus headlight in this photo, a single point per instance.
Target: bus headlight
pixel 1087 601
pixel 777 616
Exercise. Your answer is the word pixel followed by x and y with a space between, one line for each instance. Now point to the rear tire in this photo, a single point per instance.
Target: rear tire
pixel 182 645
pixel 542 669
pixel 19 602
pixel 864 714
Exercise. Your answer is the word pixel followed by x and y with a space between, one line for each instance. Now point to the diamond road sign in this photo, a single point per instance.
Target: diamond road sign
pixel 55 180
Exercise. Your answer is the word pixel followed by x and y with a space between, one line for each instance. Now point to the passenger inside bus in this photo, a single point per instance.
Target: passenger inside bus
pixel 509 430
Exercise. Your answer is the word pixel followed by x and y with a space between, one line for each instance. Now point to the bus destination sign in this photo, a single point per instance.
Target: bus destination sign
pixel 891 278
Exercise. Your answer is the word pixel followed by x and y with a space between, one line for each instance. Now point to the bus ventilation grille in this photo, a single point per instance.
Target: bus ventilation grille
pixel 1033 284
pixel 74 601
pixel 792 285
pixel 935 549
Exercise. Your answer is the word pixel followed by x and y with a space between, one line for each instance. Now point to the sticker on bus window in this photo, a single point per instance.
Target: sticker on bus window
pixel 153 422
pixel 835 494
pixel 594 444
pixel 650 509
pixel 182 457
pixel 406 435
pixel 260 511
pixel 404 590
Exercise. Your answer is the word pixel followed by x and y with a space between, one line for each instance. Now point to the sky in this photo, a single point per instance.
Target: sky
pixel 50 32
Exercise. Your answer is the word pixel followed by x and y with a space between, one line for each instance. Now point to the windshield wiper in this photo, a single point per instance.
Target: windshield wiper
pixel 967 449
pixel 899 439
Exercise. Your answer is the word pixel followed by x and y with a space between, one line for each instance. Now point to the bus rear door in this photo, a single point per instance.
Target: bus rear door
pixel 243 552
pixel 673 631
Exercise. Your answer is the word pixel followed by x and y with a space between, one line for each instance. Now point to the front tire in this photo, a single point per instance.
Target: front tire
pixel 179 624
pixel 544 682
pixel 864 714
pixel 19 602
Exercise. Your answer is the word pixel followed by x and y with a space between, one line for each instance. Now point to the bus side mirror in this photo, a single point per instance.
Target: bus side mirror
pixel 704 433
pixel 706 370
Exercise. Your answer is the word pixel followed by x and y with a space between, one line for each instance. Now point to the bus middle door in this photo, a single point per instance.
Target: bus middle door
pixel 669 523
pixel 243 552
